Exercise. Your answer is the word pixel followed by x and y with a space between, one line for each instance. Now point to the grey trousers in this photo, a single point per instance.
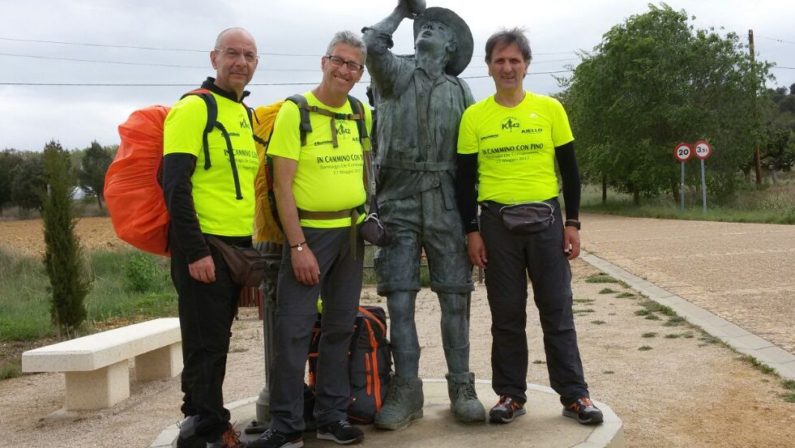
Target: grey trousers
pixel 511 259
pixel 340 286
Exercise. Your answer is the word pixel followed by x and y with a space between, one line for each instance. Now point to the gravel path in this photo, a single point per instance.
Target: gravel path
pixel 671 385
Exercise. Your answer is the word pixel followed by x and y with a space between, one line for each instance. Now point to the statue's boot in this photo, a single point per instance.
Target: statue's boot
pixel 464 401
pixel 403 403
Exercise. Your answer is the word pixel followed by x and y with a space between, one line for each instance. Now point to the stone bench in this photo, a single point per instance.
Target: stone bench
pixel 97 366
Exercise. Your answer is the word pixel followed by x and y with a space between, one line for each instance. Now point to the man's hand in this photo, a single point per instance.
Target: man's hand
pixel 476 249
pixel 305 267
pixel 203 270
pixel 571 242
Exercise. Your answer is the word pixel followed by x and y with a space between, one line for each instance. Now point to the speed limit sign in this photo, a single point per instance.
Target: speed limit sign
pixel 703 149
pixel 683 152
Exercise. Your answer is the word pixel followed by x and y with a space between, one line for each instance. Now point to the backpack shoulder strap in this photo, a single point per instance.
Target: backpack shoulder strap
pixel 212 119
pixel 358 112
pixel 305 125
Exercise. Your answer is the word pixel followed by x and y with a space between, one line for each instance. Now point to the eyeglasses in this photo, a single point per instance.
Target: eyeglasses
pixel 337 61
pixel 234 54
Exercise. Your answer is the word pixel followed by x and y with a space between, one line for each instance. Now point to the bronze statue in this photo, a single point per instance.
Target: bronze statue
pixel 420 100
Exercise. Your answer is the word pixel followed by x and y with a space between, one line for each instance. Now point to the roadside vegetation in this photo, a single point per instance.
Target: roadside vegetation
pixel 128 286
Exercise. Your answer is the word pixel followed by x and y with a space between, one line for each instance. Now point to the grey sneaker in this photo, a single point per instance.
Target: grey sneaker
pixel 464 401
pixel 584 411
pixel 403 403
pixel 506 410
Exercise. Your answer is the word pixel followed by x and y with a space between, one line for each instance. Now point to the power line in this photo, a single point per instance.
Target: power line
pixel 134 47
pixel 781 41
pixel 141 64
pixel 146 84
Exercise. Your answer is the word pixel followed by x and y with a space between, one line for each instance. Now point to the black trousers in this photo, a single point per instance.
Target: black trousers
pixel 206 311
pixel 511 259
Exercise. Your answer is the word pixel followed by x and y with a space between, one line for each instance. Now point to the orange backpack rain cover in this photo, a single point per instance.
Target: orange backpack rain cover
pixel 133 192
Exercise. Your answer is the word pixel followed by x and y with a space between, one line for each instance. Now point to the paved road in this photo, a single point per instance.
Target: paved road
pixel 741 272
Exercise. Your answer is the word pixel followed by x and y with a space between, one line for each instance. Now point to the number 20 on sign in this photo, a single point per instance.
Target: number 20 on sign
pixel 683 152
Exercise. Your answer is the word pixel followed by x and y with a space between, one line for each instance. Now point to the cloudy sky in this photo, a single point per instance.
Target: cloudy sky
pixel 73 70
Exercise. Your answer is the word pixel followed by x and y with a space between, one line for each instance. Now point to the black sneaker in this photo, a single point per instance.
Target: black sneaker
pixel 506 410
pixel 229 439
pixel 584 411
pixel 187 433
pixel 341 432
pixel 276 439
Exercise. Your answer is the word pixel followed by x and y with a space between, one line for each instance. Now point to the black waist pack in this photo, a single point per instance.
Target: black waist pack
pixel 528 218
pixel 247 265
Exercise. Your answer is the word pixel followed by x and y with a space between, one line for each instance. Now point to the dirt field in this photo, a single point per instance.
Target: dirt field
pixel 671 386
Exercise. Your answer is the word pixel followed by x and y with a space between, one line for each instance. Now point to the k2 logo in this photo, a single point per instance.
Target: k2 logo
pixel 341 129
pixel 510 123
pixel 244 124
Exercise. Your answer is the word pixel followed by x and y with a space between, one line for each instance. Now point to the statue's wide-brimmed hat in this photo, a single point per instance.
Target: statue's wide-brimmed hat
pixel 463 54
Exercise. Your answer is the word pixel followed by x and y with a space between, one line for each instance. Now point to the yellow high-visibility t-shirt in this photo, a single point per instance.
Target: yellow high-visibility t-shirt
pixel 327 178
pixel 515 147
pixel 219 210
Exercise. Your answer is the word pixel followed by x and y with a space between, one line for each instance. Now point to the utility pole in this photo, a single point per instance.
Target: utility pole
pixel 757 156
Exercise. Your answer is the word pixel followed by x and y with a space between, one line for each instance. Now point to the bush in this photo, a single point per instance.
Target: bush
pixel 141 273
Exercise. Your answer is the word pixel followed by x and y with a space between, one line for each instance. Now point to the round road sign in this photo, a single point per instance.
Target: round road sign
pixel 703 149
pixel 683 152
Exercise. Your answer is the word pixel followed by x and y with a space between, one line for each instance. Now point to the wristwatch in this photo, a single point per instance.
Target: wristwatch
pixel 299 247
pixel 573 223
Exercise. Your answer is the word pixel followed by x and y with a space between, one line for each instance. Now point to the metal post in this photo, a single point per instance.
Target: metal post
pixel 682 189
pixel 703 187
pixel 273 252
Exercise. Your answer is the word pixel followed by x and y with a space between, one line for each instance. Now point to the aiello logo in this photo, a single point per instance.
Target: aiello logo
pixel 510 123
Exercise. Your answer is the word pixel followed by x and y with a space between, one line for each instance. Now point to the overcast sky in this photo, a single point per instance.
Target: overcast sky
pixel 143 43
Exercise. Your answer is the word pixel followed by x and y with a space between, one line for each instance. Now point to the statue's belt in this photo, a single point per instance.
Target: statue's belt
pixel 417 166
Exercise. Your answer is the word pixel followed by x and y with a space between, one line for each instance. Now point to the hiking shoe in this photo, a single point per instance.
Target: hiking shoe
pixel 187 433
pixel 584 411
pixel 403 403
pixel 464 401
pixel 341 432
pixel 276 439
pixel 506 410
pixel 229 439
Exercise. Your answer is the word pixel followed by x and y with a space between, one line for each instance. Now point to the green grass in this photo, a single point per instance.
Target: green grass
pixel 584 301
pixel 25 301
pixel 583 311
pixel 773 204
pixel 675 321
pixel 598 322
pixel 673 336
pixel 607 291
pixel 649 334
pixel 625 295
pixel 758 365
pixel 600 278
pixel 10 371
pixel 644 348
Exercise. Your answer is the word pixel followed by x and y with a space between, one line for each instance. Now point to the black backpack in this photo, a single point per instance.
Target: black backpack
pixel 370 363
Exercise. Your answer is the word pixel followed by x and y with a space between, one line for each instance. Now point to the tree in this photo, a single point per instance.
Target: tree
pixel 9 160
pixel 69 283
pixel 93 165
pixel 29 185
pixel 778 149
pixel 652 82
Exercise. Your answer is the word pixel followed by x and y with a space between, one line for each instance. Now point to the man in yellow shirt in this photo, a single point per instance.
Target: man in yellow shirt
pixel 320 193
pixel 208 183
pixel 507 145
